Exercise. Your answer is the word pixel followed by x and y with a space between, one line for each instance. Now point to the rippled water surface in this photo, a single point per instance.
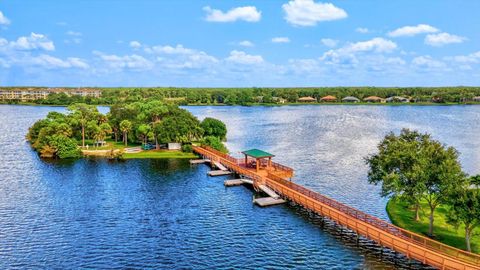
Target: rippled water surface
pixel 166 214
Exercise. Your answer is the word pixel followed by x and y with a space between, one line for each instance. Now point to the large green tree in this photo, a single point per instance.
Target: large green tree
pixel 464 209
pixel 415 167
pixel 214 127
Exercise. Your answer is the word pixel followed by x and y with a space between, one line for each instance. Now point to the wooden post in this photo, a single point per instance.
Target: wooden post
pixel 269 162
pixel 257 163
pixel 246 160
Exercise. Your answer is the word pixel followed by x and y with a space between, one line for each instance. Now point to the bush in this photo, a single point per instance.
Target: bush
pixel 187 148
pixel 215 143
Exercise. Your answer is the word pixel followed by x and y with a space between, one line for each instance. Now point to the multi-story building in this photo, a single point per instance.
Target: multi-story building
pixel 29 94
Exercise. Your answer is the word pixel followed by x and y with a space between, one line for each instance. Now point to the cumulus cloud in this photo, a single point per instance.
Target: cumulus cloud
pixel 74 34
pixel 309 13
pixel 347 55
pixel 243 58
pixel 280 40
pixel 362 30
pixel 180 57
pixel 443 39
pixel 470 58
pixel 134 61
pixel 4 20
pixel 248 14
pixel 409 31
pixel 329 42
pixel 50 62
pixel 135 44
pixel 246 43
pixel 427 62
pixel 376 44
pixel 32 42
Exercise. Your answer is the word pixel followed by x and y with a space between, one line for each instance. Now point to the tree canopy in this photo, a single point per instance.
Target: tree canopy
pixel 415 167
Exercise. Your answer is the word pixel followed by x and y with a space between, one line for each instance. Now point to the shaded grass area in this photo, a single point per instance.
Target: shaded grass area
pixel 159 154
pixel 402 215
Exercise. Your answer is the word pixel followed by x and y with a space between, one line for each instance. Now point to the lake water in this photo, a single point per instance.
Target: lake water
pixel 166 214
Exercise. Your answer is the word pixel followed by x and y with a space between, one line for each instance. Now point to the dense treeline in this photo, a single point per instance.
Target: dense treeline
pixel 63 135
pixel 247 96
pixel 417 169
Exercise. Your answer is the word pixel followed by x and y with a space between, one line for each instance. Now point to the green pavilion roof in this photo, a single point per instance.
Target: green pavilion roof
pixel 256 153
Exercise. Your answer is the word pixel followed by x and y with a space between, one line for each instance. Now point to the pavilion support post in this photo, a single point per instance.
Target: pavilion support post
pixel 269 162
pixel 257 163
pixel 246 160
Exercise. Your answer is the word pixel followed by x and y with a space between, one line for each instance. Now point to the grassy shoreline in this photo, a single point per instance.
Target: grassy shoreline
pixel 402 216
pixel 152 154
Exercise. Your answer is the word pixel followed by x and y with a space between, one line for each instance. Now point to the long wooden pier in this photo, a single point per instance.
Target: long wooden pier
pixel 276 177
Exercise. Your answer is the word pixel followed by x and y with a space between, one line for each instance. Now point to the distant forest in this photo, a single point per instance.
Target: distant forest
pixel 253 96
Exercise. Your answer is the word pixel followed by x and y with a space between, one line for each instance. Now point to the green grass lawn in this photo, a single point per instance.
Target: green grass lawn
pixel 110 144
pixel 159 154
pixel 401 215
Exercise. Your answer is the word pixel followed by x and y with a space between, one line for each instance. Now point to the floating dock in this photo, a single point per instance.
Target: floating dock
pixel 268 201
pixel 232 183
pixel 199 161
pixel 219 173
pixel 237 182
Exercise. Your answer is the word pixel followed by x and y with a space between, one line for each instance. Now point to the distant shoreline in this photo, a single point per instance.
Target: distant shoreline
pixel 279 105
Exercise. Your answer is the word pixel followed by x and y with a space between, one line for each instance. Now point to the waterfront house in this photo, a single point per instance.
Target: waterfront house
pixel 476 99
pixel 279 100
pixel 307 99
pixel 328 98
pixel 373 99
pixel 397 99
pixel 350 99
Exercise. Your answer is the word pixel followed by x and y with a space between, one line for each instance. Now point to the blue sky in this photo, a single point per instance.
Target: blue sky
pixel 224 43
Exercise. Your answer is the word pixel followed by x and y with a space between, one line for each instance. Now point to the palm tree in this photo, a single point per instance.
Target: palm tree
pixel 82 113
pixel 125 127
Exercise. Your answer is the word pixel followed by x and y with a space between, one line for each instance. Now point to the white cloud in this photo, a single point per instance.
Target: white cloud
pixel 408 31
pixel 246 43
pixel 471 58
pixel 50 62
pixel 74 34
pixel 280 40
pixel 376 44
pixel 180 57
pixel 240 57
pixel 427 62
pixel 248 14
pixel 4 20
pixel 134 61
pixel 135 44
pixel 309 13
pixel 347 55
pixel 34 41
pixel 362 30
pixel 443 39
pixel 167 49
pixel 329 42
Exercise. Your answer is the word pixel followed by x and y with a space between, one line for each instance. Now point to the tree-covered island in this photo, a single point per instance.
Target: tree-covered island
pixel 129 130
